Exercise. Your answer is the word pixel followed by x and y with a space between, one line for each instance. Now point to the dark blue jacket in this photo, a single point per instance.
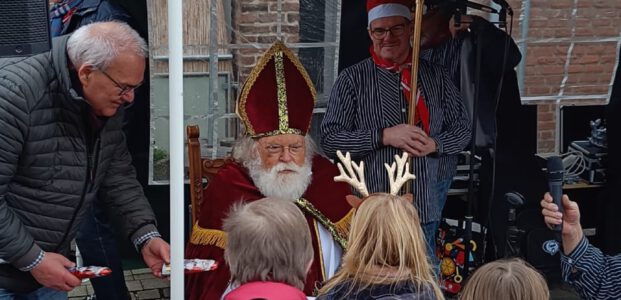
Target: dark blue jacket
pixel 89 11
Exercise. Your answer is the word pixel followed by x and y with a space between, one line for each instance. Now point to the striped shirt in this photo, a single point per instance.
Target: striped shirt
pixel 593 274
pixel 366 99
pixel 446 55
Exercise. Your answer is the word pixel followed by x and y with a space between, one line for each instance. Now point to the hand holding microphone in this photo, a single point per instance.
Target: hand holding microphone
pixel 561 214
pixel 555 176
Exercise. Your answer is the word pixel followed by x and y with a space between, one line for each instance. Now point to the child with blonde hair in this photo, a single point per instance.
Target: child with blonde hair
pixel 386 255
pixel 507 279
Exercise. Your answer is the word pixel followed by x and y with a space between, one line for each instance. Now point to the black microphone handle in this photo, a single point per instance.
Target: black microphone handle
pixel 556 191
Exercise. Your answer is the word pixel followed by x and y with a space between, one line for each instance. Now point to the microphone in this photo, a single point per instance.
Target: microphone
pixel 555 174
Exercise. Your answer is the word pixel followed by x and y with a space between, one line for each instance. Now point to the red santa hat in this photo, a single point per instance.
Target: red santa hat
pixel 388 8
pixel 278 97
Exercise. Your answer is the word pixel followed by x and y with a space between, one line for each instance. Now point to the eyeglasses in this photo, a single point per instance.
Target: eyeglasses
pixel 397 30
pixel 124 88
pixel 279 149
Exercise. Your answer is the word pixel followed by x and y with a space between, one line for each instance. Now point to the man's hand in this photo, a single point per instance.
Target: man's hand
pixel 155 253
pixel 572 231
pixel 410 139
pixel 52 272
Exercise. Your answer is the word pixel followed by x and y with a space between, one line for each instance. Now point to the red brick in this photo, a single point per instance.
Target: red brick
pixel 587 90
pixel 546 135
pixel 293 18
pixel 553 69
pixel 598 70
pixel 266 39
pixel 248 6
pixel 602 23
pixel 584 32
pixel 587 59
pixel 286 6
pixel 575 69
pixel 255 29
pixel 546 117
pixel 537 91
pixel 546 126
pixel 561 4
pixel 608 31
pixel 257 17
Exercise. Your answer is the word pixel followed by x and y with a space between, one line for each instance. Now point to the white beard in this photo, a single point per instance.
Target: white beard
pixel 290 186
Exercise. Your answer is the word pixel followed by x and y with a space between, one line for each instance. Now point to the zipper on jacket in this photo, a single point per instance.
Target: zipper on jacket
pixel 91 155
pixel 93 159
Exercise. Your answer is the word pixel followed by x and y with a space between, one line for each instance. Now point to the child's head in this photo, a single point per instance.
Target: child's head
pixel 386 245
pixel 268 240
pixel 508 279
pixel 386 231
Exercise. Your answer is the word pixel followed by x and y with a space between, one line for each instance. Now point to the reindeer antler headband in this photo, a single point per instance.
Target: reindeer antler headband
pixel 355 173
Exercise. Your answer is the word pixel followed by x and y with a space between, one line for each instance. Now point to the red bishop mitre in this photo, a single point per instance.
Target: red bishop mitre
pixel 278 97
pixel 388 8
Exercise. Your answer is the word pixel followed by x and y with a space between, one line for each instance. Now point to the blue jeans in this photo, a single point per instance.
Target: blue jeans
pixel 98 247
pixel 430 229
pixel 42 294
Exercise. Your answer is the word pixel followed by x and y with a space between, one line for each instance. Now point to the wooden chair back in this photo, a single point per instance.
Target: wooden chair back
pixel 200 169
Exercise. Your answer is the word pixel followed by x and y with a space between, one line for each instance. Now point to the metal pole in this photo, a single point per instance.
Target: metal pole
pixel 213 107
pixel 175 66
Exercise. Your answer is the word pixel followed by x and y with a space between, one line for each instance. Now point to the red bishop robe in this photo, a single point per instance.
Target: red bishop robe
pixel 233 184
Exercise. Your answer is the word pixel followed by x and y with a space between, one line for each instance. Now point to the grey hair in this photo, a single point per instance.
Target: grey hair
pixel 268 240
pixel 245 150
pixel 98 44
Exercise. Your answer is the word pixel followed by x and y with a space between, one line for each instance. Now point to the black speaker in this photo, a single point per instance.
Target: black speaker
pixel 24 27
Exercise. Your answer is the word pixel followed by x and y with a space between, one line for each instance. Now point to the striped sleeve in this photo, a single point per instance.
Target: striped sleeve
pixel 593 274
pixel 451 129
pixel 447 55
pixel 457 127
pixel 338 128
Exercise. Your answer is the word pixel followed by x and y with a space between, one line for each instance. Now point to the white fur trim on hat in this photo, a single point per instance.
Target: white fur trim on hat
pixel 389 10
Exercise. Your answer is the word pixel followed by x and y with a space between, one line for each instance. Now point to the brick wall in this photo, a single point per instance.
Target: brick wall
pixel 255 21
pixel 590 64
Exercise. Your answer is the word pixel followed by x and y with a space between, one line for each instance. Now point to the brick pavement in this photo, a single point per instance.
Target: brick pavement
pixel 141 284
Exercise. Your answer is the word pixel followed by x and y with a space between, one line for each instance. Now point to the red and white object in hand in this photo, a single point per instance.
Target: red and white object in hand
pixel 89 272
pixel 191 266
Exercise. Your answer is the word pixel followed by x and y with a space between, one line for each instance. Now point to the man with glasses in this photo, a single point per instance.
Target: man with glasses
pixel 367 113
pixel 62 145
pixel 277 159
pixel 97 238
pixel 124 89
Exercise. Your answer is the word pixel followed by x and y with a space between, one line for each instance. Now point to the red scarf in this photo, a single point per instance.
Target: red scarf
pixel 421 115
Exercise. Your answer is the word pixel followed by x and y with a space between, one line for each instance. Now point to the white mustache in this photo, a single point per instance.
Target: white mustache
pixel 286 167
